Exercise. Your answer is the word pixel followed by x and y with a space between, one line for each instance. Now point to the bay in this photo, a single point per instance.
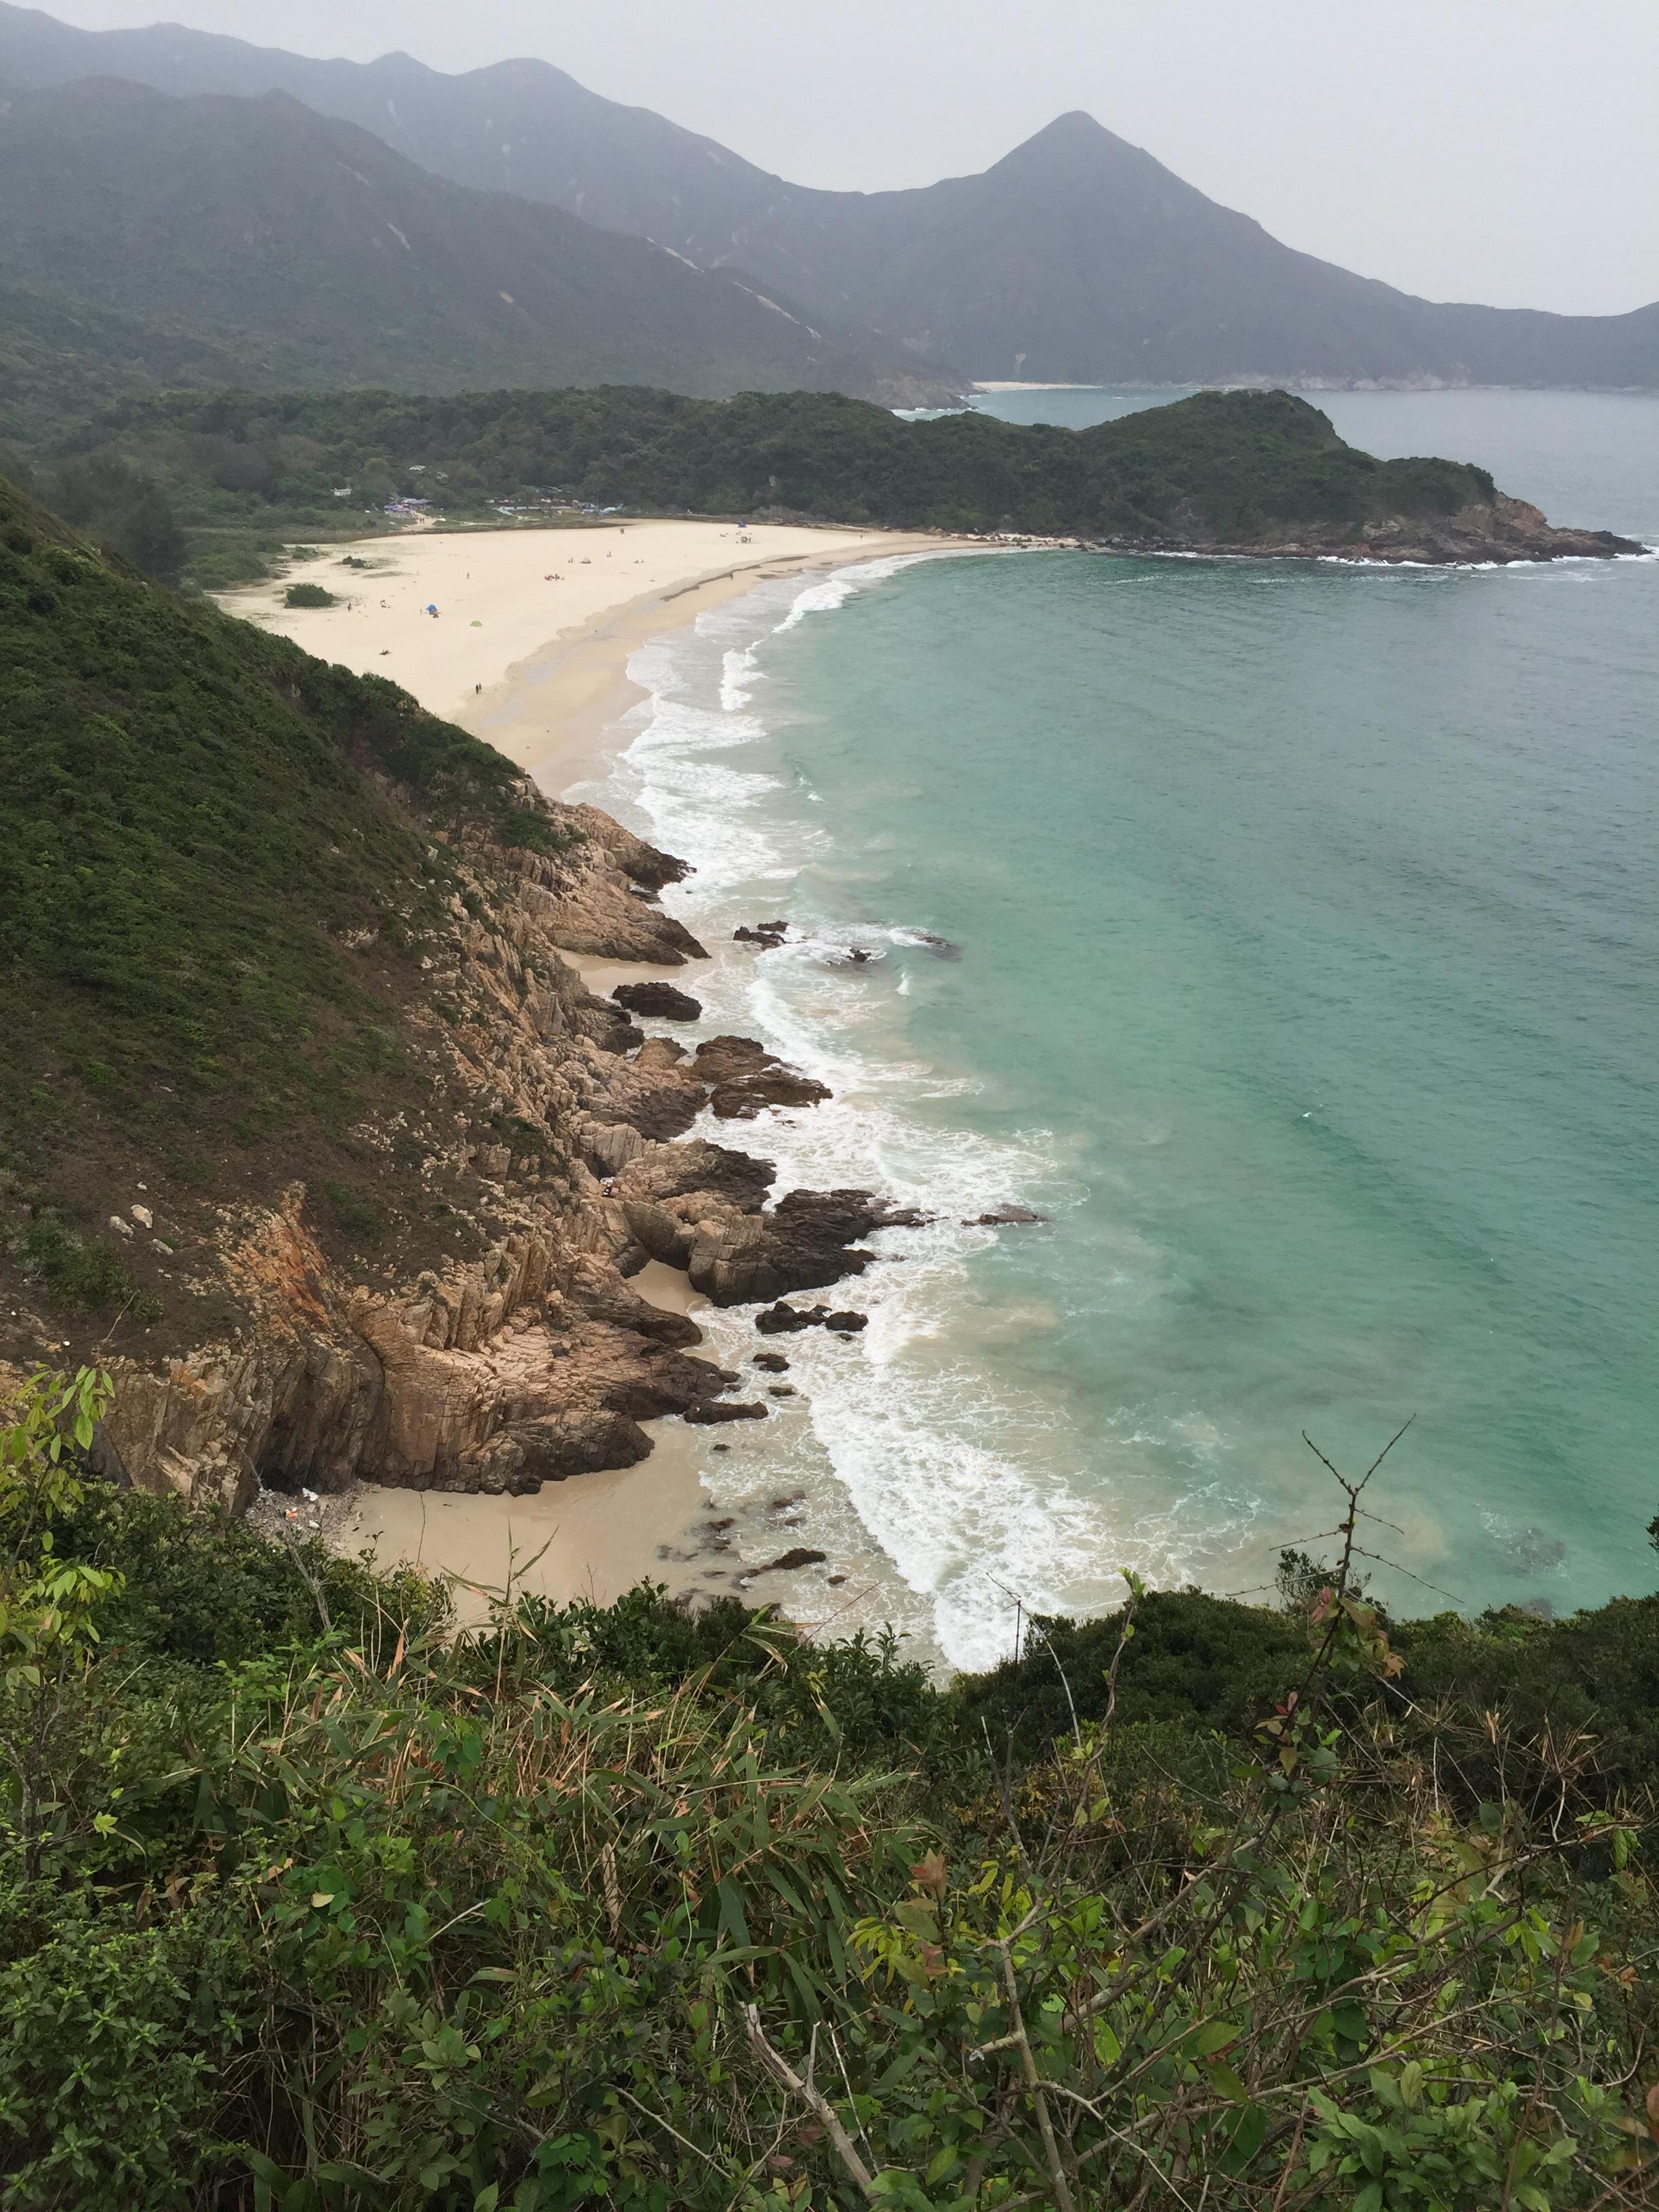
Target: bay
pixel 1306 925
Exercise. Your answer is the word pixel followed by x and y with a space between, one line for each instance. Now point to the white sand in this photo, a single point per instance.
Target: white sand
pixel 505 595
pixel 594 1536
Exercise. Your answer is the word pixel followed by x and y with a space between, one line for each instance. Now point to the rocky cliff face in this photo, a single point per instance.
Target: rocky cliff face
pixel 545 1125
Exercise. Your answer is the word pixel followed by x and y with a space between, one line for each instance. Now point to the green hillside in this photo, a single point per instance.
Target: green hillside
pixel 62 359
pixel 216 869
pixel 292 250
pixel 1230 462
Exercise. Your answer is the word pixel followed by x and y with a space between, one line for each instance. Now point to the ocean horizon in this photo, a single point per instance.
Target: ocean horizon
pixel 1282 933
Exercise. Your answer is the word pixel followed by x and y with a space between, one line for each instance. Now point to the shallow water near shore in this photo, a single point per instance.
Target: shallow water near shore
pixel 1305 926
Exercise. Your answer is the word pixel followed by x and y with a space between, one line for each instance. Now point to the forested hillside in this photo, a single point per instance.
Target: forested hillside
pixel 1224 466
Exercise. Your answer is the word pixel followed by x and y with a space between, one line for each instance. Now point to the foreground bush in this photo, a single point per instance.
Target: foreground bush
pixel 620 1908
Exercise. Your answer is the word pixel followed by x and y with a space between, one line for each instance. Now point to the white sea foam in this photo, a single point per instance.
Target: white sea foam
pixel 739 671
pixel 971 1487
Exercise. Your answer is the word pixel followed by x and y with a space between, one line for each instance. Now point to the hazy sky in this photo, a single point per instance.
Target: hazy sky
pixel 1499 150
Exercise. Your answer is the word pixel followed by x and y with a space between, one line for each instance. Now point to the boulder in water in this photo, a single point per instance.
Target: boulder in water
pixel 661 1002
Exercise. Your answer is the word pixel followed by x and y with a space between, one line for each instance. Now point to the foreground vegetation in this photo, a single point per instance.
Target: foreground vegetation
pixel 305 1904
pixel 241 471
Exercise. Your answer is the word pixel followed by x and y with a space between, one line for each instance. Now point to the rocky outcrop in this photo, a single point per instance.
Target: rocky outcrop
pixel 588 904
pixel 658 1002
pixel 549 1143
pixel 785 1320
pixel 809 1240
pixel 660 1089
pixel 536 1363
pixel 744 1077
pixel 1501 530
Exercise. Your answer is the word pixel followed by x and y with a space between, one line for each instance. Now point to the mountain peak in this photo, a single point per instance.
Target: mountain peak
pixel 1072 140
pixel 1075 125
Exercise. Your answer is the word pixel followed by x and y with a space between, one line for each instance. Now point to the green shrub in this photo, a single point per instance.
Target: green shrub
pixel 306 1904
pixel 81 1273
pixel 204 1588
pixel 309 595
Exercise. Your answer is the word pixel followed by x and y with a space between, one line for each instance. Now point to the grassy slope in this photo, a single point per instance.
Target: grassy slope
pixel 1241 460
pixel 197 822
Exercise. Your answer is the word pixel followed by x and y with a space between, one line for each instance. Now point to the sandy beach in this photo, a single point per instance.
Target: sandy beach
pixel 564 606
pixel 530 649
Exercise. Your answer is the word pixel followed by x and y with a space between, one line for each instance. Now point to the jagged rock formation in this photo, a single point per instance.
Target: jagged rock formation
pixel 538 1361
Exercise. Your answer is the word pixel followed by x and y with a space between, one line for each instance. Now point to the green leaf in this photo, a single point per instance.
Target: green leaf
pixel 485 2199
pixel 732 1920
pixel 1244 2133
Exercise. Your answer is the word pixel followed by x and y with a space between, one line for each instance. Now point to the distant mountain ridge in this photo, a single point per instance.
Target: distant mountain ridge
pixel 1075 258
pixel 253 241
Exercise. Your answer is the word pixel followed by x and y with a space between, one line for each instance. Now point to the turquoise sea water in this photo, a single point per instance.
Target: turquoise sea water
pixel 1307 925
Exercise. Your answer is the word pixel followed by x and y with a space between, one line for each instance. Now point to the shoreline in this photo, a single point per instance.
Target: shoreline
pixel 591 1536
pixel 514 606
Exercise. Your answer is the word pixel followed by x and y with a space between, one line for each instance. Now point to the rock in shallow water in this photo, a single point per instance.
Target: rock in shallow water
pixel 782 1319
pixel 660 1001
